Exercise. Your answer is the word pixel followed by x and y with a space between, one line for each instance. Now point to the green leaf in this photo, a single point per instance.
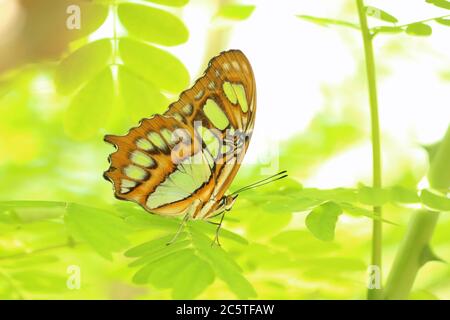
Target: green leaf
pixel 188 265
pixel 146 273
pixel 153 25
pixel 186 273
pixel 171 3
pixel 30 211
pixel 162 250
pixel 443 21
pixel 321 265
pixel 210 229
pixel 82 65
pixel 40 281
pixel 159 67
pixel 326 22
pixel 422 295
pixel 93 15
pixel 419 29
pixel 373 196
pixel 90 108
pixel 29 260
pixel 151 246
pixel 321 221
pixel 9 217
pixel 31 204
pixel 139 98
pixel 224 267
pixel 434 200
pixel 380 14
pixel 162 273
pixel 357 211
pixel 440 3
pixel 236 11
pixel 143 220
pixel 297 240
pixel 264 224
pixel 337 194
pixel 404 195
pixel 101 230
pixel 192 279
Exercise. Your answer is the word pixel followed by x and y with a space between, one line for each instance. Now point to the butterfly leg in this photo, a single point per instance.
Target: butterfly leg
pixel 186 217
pixel 219 225
pixel 180 228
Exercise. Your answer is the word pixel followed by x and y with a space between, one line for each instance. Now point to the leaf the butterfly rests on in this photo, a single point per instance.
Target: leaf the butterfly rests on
pixel 185 160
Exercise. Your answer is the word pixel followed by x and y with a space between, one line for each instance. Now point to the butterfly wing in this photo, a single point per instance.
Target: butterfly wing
pixel 194 150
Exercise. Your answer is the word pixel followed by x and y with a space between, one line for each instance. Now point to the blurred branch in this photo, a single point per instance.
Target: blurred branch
pixel 376 146
pixel 12 284
pixel 70 243
pixel 218 35
pixel 375 30
pixel 415 249
pixel 422 21
pixel 327 21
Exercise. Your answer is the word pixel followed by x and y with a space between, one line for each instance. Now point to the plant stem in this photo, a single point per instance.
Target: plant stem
pixel 12 284
pixel 217 38
pixel 415 248
pixel 115 45
pixel 68 244
pixel 409 258
pixel 376 146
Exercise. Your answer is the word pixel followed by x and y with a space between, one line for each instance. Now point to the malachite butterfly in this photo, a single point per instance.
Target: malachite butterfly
pixel 182 163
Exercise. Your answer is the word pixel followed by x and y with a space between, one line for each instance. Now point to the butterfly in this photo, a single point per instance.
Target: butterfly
pixel 181 163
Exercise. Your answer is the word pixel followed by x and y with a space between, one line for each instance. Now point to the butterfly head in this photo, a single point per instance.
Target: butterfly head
pixel 227 202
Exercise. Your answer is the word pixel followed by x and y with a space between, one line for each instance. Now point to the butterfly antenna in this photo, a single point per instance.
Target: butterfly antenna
pixel 275 177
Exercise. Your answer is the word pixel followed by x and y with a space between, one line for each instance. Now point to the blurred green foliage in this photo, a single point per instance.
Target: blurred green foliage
pixel 282 241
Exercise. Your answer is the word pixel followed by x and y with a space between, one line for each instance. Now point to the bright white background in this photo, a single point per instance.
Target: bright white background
pixel 294 59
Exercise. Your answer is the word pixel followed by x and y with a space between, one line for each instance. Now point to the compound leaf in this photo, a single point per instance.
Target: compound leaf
pixel 380 14
pixel 157 66
pixel 82 65
pixel 321 221
pixel 91 107
pixel 419 29
pixel 101 230
pixel 153 25
pixel 326 22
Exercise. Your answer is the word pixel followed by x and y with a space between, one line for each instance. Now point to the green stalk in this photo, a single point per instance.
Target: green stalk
pixel 115 46
pixel 415 250
pixel 217 38
pixel 376 260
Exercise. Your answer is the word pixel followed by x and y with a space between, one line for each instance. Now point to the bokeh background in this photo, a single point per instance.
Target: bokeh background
pixel 313 120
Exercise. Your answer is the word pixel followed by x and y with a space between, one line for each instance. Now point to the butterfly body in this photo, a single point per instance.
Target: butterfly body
pixel 183 162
